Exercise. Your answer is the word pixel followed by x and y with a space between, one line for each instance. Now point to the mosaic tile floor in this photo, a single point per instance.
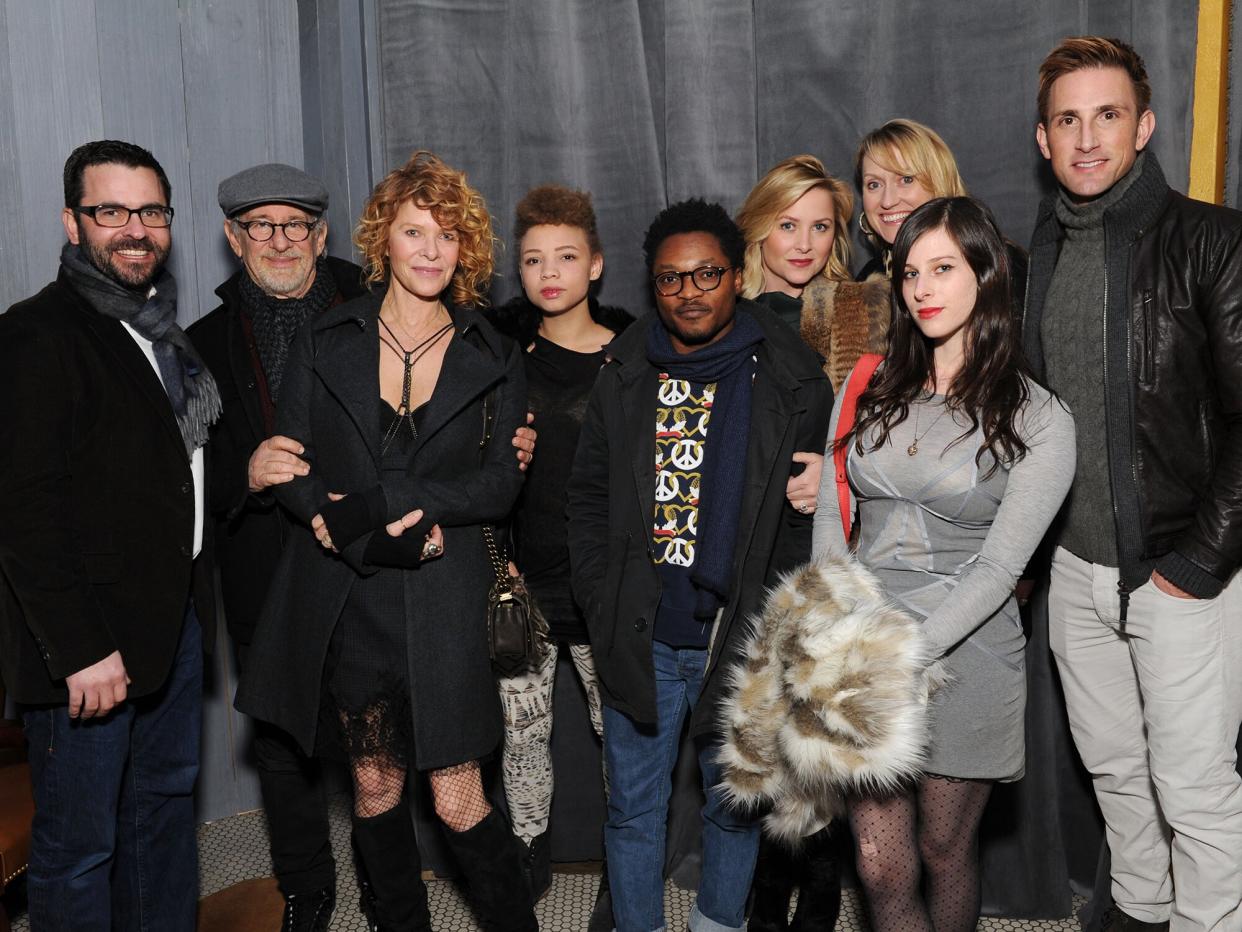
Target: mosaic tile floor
pixel 235 849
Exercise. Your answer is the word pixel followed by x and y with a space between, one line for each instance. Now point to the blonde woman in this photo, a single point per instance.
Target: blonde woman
pixel 796 225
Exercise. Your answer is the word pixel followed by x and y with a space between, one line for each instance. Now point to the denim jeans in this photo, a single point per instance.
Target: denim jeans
pixel 640 760
pixel 113 844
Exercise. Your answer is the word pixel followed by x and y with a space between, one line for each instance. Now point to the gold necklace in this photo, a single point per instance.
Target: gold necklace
pixel 913 449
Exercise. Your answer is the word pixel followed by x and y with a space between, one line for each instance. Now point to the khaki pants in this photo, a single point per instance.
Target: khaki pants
pixel 1155 714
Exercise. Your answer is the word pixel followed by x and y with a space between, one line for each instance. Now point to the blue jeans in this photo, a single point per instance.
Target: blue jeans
pixel 113 844
pixel 640 760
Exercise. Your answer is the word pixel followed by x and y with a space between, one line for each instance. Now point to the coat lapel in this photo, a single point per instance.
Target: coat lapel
pixel 466 373
pixel 351 373
pixel 639 394
pixel 133 362
pixel 243 373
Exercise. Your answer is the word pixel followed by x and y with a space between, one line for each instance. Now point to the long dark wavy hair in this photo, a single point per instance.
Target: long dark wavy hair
pixel 992 387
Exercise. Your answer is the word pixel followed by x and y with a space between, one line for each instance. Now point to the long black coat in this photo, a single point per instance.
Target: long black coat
pixel 612 508
pixel 96 503
pixel 250 530
pixel 330 403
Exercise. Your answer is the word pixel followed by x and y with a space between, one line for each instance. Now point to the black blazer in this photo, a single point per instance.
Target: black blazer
pixel 611 499
pixel 330 403
pixel 96 503
pixel 250 530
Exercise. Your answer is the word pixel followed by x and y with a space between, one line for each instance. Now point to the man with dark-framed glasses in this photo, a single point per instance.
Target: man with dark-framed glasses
pixel 105 606
pixel 275 224
pixel 678 521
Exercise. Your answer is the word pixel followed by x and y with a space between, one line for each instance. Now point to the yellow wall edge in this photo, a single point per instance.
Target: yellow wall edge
pixel 1211 107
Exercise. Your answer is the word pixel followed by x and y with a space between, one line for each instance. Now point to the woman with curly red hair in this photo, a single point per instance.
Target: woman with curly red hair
pixel 372 641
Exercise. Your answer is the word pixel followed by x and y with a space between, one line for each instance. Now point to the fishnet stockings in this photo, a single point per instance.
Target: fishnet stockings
pixel 458 795
pixel 933 829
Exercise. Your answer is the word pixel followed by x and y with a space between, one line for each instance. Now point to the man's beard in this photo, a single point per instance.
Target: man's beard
pixel 100 256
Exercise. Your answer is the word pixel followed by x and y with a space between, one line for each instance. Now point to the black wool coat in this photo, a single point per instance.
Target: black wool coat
pixel 250 530
pixel 330 403
pixel 611 499
pixel 96 504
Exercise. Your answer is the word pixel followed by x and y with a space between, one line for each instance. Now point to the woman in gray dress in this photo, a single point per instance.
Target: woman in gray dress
pixel 958 462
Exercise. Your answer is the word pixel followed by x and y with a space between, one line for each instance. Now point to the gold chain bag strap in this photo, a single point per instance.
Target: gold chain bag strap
pixel 516 629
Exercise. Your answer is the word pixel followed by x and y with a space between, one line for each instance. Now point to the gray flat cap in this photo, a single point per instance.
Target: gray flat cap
pixel 272 184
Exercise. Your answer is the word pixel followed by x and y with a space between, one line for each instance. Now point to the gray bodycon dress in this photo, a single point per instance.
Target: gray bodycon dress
pixel 949 546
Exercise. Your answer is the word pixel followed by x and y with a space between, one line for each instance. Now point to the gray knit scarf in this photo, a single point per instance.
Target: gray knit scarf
pixel 190 387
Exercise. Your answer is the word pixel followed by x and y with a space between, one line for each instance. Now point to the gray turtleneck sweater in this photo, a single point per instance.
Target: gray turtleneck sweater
pixel 1073 339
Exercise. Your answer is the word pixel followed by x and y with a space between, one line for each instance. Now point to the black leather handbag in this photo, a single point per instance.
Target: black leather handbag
pixel 516 630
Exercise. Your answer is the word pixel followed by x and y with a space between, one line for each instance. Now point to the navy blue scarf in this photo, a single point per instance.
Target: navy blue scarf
pixel 730 363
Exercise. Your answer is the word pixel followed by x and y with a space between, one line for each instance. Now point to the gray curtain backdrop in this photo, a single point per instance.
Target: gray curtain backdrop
pixel 646 102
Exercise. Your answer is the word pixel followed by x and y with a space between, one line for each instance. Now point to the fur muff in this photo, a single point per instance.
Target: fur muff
pixel 831 699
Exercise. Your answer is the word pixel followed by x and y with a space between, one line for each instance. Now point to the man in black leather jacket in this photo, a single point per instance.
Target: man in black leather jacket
pixel 1134 316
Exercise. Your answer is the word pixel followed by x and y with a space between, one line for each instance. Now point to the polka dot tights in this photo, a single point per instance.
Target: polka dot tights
pixel 929 837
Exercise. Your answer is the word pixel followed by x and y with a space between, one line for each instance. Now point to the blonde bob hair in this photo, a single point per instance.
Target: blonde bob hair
pixel 783 185
pixel 434 186
pixel 906 147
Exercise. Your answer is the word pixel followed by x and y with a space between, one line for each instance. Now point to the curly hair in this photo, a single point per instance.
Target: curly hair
pixel 1077 53
pixel 695 215
pixel 783 185
pixel 432 185
pixel 557 205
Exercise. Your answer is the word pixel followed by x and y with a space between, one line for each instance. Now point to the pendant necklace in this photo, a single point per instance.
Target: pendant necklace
pixel 913 449
pixel 408 358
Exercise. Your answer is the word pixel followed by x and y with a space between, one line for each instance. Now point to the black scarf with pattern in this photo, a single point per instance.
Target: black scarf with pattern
pixel 276 320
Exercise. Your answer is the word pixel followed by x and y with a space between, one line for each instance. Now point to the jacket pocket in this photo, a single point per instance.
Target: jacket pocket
pixel 1147 361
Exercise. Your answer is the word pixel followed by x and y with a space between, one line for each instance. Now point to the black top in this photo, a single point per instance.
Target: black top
pixel 559 382
pixel 786 307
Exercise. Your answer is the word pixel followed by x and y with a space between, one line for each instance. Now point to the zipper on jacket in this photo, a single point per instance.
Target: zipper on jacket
pixel 1147 371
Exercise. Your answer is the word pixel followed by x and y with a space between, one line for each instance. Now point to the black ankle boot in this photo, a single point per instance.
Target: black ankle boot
pixel 819 885
pixel 389 853
pixel 771 888
pixel 537 866
pixel 491 859
pixel 366 896
pixel 309 912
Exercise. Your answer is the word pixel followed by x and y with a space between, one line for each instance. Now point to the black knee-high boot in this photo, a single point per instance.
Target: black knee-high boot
pixel 818 874
pixel 771 888
pixel 489 857
pixel 389 851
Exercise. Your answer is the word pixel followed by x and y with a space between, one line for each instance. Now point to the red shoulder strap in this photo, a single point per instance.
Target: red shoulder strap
pixel 859 379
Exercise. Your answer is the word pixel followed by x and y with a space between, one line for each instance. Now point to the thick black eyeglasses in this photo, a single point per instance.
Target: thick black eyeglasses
pixel 262 230
pixel 705 278
pixel 114 215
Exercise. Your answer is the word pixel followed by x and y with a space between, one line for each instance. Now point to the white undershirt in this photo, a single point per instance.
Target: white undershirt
pixel 196 460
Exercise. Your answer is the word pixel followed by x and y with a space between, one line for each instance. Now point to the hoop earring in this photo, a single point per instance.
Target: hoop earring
pixel 864 226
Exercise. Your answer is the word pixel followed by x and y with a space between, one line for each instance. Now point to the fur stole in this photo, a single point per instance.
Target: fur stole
pixel 843 320
pixel 830 700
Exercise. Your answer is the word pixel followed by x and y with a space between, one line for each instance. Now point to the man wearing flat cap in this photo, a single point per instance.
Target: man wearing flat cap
pixel 274 222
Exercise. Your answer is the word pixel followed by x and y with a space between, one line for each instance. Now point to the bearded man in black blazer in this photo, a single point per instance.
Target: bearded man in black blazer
pixel 106 408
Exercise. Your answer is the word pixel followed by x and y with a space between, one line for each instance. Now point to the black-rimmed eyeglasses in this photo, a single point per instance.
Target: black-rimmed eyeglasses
pixel 705 278
pixel 262 230
pixel 115 215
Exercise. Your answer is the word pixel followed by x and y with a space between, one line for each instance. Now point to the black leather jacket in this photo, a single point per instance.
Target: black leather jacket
pixel 1172 320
